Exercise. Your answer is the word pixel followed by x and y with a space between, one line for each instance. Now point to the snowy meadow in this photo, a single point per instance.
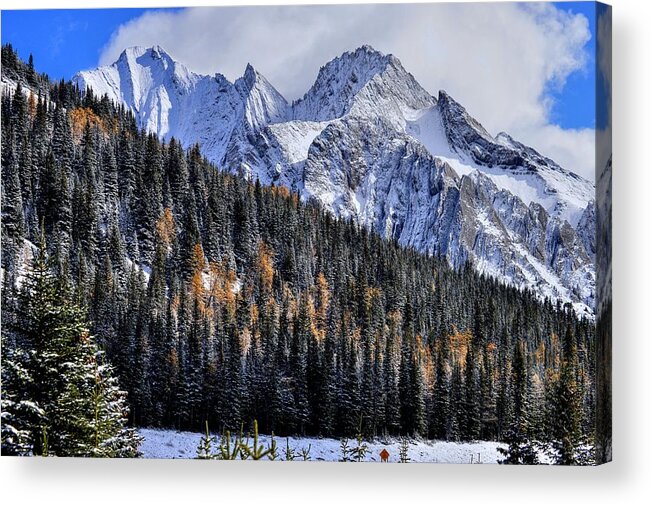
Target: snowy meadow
pixel 171 444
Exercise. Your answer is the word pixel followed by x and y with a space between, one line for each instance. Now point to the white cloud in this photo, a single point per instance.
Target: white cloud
pixel 573 149
pixel 499 60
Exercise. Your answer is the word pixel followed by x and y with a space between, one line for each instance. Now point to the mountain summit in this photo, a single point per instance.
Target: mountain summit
pixel 369 143
pixel 363 81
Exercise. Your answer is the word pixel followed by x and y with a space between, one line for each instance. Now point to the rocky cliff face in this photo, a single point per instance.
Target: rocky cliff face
pixel 371 144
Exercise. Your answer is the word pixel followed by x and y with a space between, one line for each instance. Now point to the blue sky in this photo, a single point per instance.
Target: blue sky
pixel 575 105
pixel 63 41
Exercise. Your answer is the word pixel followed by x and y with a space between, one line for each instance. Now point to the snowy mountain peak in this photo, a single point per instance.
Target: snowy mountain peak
pixel 363 57
pixel 131 53
pixel 250 75
pixel 337 83
pixel 147 81
pixel 513 165
pixel 506 139
pixel 365 49
pixel 158 52
pixel 367 56
pixel 263 103
pixel 252 80
pixel 364 81
pixel 138 56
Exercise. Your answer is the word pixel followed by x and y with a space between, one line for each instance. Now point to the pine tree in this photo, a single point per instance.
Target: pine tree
pixel 472 413
pixel 519 451
pixel 299 366
pixel 19 412
pixel 411 380
pixel 404 450
pixel 441 396
pixel 89 418
pixel 204 450
pixel 13 219
pixel 566 409
pixel 391 377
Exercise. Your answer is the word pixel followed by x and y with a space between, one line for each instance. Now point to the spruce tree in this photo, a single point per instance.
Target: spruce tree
pixel 566 408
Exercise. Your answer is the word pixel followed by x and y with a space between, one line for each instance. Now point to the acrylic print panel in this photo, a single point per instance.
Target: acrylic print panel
pixel 372 245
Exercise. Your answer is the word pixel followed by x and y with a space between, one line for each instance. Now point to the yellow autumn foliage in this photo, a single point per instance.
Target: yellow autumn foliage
pixel 319 306
pixel 424 355
pixel 31 105
pixel 459 343
pixel 265 268
pixel 80 117
pixel 222 285
pixel 165 228
pixel 281 191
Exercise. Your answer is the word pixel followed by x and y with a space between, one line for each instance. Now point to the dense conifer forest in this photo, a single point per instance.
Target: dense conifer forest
pixel 213 299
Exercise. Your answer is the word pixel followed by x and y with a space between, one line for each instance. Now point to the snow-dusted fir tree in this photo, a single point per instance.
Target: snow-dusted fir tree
pixel 568 445
pixel 92 411
pixel 61 398
pixel 19 412
pixel 521 449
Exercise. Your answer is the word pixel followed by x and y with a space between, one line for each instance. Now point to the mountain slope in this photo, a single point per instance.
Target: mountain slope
pixel 370 143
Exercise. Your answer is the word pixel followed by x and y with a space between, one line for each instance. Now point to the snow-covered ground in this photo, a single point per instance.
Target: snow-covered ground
pixel 183 444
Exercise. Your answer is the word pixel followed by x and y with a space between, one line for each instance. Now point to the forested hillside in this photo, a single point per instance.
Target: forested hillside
pixel 224 301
